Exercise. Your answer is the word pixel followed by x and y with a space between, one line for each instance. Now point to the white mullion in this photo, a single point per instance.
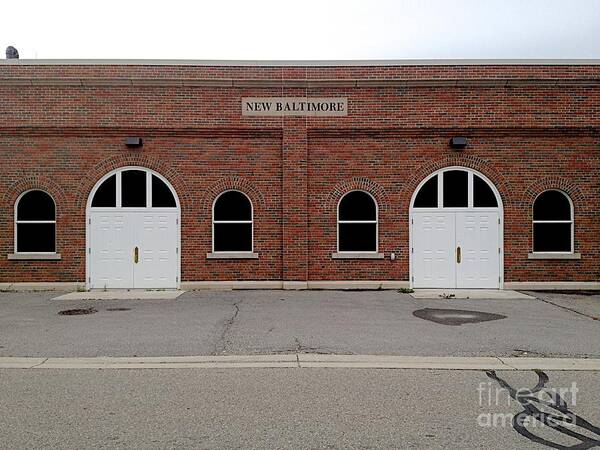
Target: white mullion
pixel 470 195
pixel 148 189
pixel 118 189
pixel 35 221
pixel 440 186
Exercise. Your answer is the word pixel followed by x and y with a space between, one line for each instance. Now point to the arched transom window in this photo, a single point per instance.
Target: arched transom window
pixel 133 188
pixel 455 188
pixel 35 223
pixel 232 223
pixel 553 222
pixel 357 223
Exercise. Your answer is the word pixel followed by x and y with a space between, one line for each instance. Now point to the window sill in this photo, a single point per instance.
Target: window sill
pixel 357 255
pixel 554 255
pixel 232 255
pixel 34 256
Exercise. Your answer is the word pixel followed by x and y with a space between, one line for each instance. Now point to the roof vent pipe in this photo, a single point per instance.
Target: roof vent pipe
pixel 12 53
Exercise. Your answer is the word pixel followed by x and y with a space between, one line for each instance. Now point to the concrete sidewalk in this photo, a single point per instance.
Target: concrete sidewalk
pixel 122 294
pixel 474 294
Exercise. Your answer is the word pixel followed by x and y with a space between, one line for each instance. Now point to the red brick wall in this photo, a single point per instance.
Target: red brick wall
pixel 520 166
pixel 530 131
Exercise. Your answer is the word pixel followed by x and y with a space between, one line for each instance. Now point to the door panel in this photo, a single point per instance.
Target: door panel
pixel 477 236
pixel 433 250
pixel 113 238
pixel 111 255
pixel 156 238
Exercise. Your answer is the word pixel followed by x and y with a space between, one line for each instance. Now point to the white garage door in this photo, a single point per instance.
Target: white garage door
pixel 133 232
pixel 456 232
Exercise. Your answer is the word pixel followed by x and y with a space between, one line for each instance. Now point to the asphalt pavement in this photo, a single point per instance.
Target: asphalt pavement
pixel 280 322
pixel 292 408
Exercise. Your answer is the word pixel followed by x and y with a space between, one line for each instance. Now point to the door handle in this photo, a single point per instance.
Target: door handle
pixel 458 254
pixel 136 255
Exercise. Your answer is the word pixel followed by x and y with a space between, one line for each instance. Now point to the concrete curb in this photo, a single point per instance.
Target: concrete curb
pixel 302 360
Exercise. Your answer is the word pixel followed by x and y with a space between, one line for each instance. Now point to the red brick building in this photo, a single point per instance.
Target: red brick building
pixel 202 174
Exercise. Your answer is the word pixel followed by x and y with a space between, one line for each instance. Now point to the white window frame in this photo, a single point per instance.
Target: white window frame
pixel 571 221
pixel 16 222
pixel 251 222
pixel 470 192
pixel 118 191
pixel 376 222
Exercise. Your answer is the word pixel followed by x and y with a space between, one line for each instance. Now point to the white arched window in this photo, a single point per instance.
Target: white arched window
pixel 35 223
pixel 232 223
pixel 357 223
pixel 133 188
pixel 455 188
pixel 553 223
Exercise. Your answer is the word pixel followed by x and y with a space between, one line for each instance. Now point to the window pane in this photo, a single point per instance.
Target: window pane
pixel 36 205
pixel 36 237
pixel 552 237
pixel 483 195
pixel 456 189
pixel 552 205
pixel 162 197
pixel 233 237
pixel 106 194
pixel 133 188
pixel 357 205
pixel 357 237
pixel 233 205
pixel 427 197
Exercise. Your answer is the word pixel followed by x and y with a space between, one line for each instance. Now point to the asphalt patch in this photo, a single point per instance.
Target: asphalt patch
pixel 118 309
pixel 77 312
pixel 455 317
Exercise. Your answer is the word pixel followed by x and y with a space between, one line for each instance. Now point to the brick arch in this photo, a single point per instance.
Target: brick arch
pixel 361 184
pixel 544 184
pixel 115 162
pixel 232 183
pixel 35 182
pixel 456 159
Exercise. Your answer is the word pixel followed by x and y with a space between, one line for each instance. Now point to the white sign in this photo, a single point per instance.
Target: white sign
pixel 295 106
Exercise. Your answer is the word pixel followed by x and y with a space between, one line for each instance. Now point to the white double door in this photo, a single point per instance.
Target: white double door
pixel 133 249
pixel 456 249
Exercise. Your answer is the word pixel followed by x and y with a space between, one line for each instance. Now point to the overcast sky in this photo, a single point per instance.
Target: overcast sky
pixel 303 29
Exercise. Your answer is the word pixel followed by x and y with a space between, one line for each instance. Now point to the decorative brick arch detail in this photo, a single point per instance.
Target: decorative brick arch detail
pixel 461 160
pixel 544 184
pixel 232 183
pixel 35 182
pixel 148 162
pixel 357 184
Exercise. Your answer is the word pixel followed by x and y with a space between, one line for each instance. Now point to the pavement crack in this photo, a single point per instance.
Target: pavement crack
pixel 222 342
pixel 504 363
pixel 39 364
pixel 566 308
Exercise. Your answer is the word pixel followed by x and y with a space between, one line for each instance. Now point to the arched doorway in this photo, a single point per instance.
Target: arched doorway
pixel 456 231
pixel 132 231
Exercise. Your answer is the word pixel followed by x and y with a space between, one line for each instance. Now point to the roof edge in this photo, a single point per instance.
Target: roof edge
pixel 301 63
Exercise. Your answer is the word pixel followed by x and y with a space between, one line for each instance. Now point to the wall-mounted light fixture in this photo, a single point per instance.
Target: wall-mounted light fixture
pixel 458 142
pixel 134 142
